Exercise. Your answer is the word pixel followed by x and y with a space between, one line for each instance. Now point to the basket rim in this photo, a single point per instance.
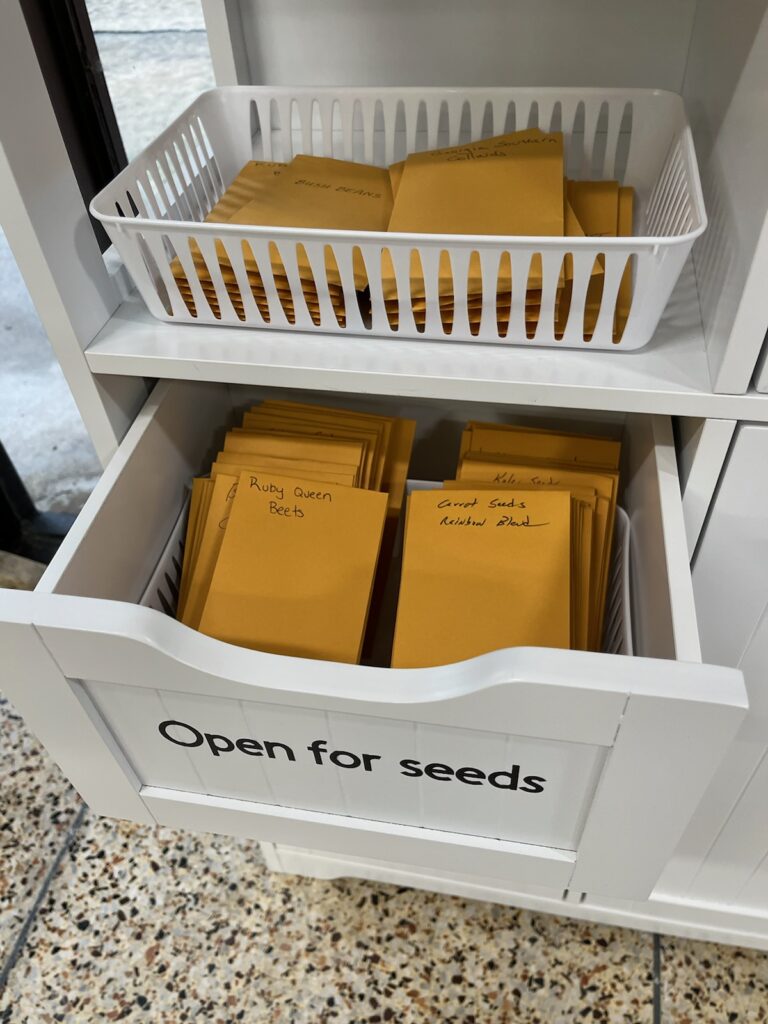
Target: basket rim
pixel 398 239
pixel 453 90
pixel 636 242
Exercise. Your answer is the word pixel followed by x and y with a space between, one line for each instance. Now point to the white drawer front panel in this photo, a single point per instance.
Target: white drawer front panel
pixel 523 789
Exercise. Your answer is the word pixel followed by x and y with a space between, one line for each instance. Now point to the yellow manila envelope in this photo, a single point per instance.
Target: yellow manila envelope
pixel 509 185
pixel 625 228
pixel 391 460
pixel 252 179
pixel 255 282
pixel 553 456
pixel 285 300
pixel 296 568
pixel 595 204
pixel 282 291
pixel 321 449
pixel 474 297
pixel 254 176
pixel 234 463
pixel 395 176
pixel 223 490
pixel 301 441
pixel 541 443
pixel 398 433
pixel 503 470
pixel 268 421
pixel 319 192
pixel 604 210
pixel 483 570
pixel 199 485
pixel 398 460
pixel 222 498
pixel 583 506
pixel 308 192
pixel 202 518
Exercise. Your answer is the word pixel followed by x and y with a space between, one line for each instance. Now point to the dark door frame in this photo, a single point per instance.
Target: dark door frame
pixel 69 60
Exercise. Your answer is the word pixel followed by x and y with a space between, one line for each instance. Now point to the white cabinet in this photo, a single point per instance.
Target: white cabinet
pixel 729 571
pixel 653 816
pixel 723 856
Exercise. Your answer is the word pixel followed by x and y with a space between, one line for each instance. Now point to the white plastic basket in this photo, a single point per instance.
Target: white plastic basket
pixel 154 208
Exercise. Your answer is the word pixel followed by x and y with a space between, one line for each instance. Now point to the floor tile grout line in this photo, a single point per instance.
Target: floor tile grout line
pixel 657 978
pixel 21 939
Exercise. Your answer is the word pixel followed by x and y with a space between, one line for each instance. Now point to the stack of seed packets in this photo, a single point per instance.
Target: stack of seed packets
pixel 511 185
pixel 515 551
pixel 253 178
pixel 284 536
pixel 310 192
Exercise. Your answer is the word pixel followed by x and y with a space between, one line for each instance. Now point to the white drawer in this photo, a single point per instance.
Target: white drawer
pixel 592 764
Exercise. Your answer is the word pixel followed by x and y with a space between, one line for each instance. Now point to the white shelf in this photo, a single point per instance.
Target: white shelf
pixel 669 376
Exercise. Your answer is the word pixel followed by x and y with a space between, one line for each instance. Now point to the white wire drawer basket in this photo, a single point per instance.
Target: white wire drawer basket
pixel 154 212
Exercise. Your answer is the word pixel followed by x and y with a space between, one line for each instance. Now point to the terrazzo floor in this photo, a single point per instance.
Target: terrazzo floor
pixel 102 921
pixel 106 921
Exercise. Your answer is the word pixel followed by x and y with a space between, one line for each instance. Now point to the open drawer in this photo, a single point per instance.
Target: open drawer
pixel 588 766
